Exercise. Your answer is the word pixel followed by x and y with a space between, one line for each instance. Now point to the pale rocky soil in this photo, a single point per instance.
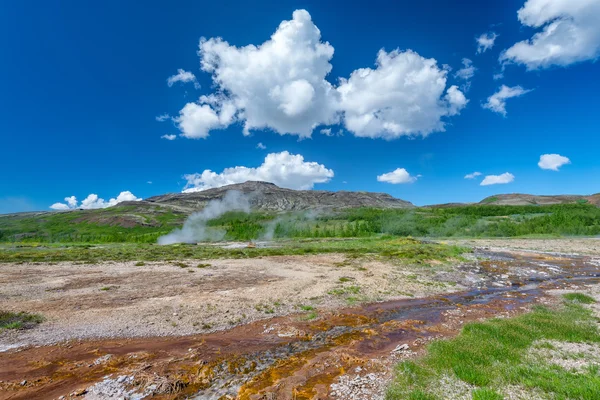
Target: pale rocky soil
pixel 121 299
pixel 583 246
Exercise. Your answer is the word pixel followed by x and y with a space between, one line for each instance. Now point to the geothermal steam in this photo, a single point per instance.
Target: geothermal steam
pixel 194 228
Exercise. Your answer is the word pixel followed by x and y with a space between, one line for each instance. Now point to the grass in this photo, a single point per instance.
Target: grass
pixel 579 298
pixel 21 320
pixel 136 224
pixel 492 355
pixel 404 250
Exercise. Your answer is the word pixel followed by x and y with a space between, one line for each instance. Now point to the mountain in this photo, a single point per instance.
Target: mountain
pixel 518 199
pixel 265 196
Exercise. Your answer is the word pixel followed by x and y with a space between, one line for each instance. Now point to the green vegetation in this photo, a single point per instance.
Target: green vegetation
pixel 22 320
pixel 404 250
pixel 110 225
pixel 493 355
pixel 127 224
pixel 579 298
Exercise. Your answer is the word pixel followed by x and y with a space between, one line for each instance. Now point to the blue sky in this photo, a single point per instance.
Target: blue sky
pixel 83 84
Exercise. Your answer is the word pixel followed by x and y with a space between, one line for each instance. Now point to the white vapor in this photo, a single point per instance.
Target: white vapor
pixel 553 161
pixel 283 169
pixel 93 202
pixel 506 177
pixel 169 137
pixel 194 228
pixel 497 101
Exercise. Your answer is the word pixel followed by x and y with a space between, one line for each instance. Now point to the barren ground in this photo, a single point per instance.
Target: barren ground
pixel 122 299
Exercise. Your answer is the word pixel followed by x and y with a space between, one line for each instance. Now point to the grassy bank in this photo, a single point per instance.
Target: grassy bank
pixel 131 224
pixel 408 250
pixel 530 355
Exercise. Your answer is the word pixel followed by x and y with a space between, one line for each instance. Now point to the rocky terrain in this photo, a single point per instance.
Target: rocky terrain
pixel 266 196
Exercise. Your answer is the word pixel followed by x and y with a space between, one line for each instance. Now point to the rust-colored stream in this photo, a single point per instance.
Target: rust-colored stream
pixel 285 357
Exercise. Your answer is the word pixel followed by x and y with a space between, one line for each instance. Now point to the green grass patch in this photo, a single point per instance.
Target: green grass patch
pixel 21 320
pixel 493 354
pixel 404 250
pixel 579 298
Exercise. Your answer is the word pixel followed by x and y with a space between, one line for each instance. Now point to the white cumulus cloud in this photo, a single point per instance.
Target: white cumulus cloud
pixel 283 169
pixel 553 161
pixel 281 85
pixel 485 41
pixel 399 175
pixel 162 117
pixel 497 101
pixel 326 132
pixel 473 175
pixel 570 33
pixel 169 137
pixel 506 177
pixel 184 77
pixel 261 146
pixel 405 95
pixel 92 201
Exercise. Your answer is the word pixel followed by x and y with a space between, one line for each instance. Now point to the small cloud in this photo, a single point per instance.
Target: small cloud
pixel 467 71
pixel 149 182
pixel 485 41
pixel 506 177
pixel 473 175
pixel 184 77
pixel 326 132
pixel 498 76
pixel 399 175
pixel 553 161
pixel 169 137
pixel 261 146
pixel 162 117
pixel 497 101
pixel 344 182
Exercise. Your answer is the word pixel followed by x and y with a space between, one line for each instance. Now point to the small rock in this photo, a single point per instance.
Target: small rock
pixel 23 383
pixel 400 347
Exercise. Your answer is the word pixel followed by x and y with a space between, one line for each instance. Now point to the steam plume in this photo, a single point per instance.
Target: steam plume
pixel 194 228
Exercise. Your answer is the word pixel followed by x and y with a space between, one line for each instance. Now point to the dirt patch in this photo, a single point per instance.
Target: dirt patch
pixel 122 299
pixel 589 246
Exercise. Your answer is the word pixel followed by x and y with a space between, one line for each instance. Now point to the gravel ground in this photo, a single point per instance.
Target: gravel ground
pixel 584 246
pixel 122 299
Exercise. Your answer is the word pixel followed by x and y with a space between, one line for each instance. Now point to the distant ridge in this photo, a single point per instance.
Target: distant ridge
pixel 519 199
pixel 265 196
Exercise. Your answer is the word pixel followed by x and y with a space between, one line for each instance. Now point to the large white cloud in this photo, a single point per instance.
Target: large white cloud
pixel 283 169
pixel 497 101
pixel 93 201
pixel 399 175
pixel 404 95
pixel 570 33
pixel 553 161
pixel 506 177
pixel 281 85
pixel 485 41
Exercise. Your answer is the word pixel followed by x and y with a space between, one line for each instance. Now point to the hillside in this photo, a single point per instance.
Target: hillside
pixel 264 196
pixel 518 199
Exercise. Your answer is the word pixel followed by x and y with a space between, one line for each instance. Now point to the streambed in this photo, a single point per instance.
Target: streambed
pixel 291 357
